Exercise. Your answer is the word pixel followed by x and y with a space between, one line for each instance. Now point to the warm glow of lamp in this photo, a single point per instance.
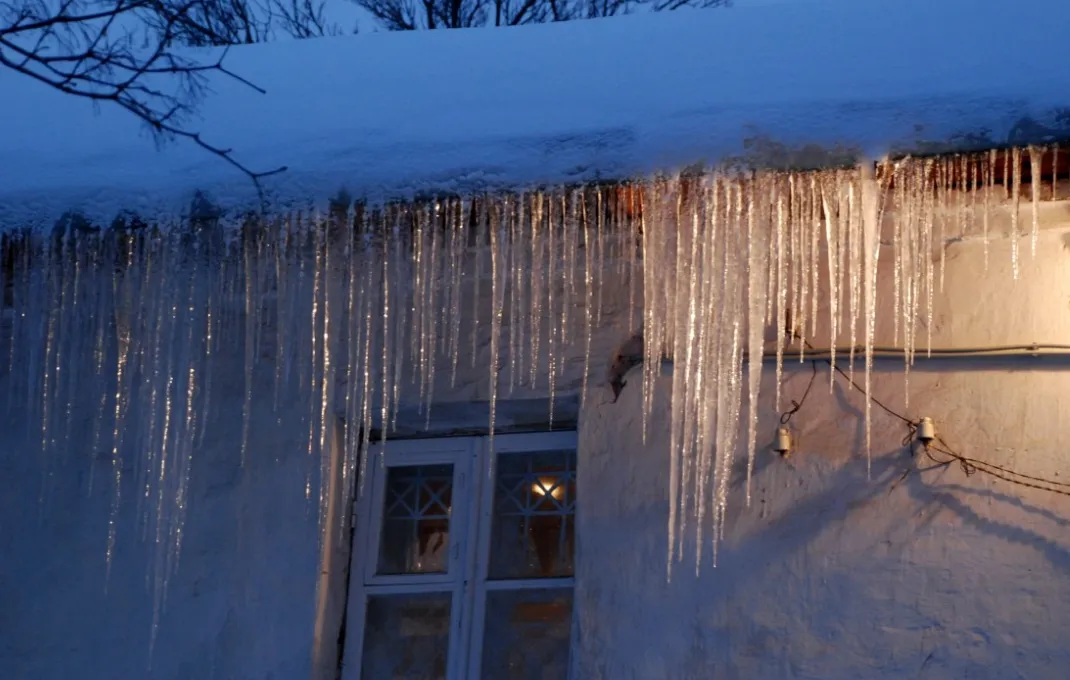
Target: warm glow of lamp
pixel 544 486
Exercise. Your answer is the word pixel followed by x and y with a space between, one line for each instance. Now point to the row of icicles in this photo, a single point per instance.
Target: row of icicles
pixel 119 336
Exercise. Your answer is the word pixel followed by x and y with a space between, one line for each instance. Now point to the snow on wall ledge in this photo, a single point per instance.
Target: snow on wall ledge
pixel 799 84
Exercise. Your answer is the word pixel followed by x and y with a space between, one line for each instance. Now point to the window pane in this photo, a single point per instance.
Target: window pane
pixel 416 520
pixel 528 634
pixel 534 515
pixel 406 636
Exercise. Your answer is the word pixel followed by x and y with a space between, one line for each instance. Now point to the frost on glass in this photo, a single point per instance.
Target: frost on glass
pixel 533 530
pixel 416 520
pixel 527 635
pixel 406 636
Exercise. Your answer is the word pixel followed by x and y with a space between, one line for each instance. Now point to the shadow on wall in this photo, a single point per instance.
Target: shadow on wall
pixel 914 571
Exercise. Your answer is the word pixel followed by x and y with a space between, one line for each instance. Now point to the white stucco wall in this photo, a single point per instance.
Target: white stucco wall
pixel 915 573
pixel 241 603
pixel 827 575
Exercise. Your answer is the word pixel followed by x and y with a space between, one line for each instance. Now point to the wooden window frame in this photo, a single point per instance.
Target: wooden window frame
pixel 471 522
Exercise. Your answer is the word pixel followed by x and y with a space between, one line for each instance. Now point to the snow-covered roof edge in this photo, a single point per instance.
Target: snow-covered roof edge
pixel 803 84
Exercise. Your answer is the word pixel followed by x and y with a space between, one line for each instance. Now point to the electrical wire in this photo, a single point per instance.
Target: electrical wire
pixel 969 465
pixel 1032 350
pixel 785 417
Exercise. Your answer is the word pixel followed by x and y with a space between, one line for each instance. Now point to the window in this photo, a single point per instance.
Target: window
pixel 463 560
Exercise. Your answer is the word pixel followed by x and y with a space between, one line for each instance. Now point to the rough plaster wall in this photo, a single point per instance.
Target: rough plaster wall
pixel 826 575
pixel 912 573
pixel 241 604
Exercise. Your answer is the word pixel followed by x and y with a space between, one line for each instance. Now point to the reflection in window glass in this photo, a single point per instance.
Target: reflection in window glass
pixel 534 515
pixel 406 636
pixel 416 520
pixel 527 636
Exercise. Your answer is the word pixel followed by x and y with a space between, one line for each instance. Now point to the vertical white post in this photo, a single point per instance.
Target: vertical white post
pixel 334 564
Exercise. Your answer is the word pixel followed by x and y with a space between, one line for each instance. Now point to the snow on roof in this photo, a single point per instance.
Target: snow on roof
pixel 399 114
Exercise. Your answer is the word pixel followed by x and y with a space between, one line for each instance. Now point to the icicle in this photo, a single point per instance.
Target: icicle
pixel 871 251
pixel 495 324
pixel 757 265
pixel 352 339
pixel 989 170
pixel 552 276
pixel 929 213
pixel 947 178
pixel 969 177
pixel 368 292
pixel 68 357
pixel 815 252
pixel 480 233
pixel 1055 172
pixel 164 538
pixel 538 280
pixel 901 180
pixel 631 238
pixel 251 299
pixel 961 198
pixel 1016 193
pixel 700 225
pixel 682 337
pixel 53 270
pixel 850 213
pixel 1035 155
pixel 652 311
pixel 415 307
pixel 731 417
pixel 400 282
pixel 588 292
pixel 709 338
pixel 391 317
pixel 434 304
pixel 317 275
pixel 698 470
pixel 569 245
pixel 513 267
pixel 782 256
pixel 326 392
pixel 599 254
pixel 458 249
pixel 795 314
pixel 122 328
pixel 281 297
pixel 833 249
pixel 188 364
pixel 568 288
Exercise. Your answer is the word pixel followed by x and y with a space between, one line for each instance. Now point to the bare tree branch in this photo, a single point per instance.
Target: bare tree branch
pixel 303 18
pixel 239 22
pixel 411 15
pixel 669 5
pixel 93 50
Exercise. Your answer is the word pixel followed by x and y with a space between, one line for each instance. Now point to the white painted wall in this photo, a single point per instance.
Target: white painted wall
pixel 913 573
pixel 827 575
pixel 241 603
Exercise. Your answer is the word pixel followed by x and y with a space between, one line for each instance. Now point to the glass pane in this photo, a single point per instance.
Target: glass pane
pixel 416 520
pixel 534 515
pixel 406 636
pixel 527 634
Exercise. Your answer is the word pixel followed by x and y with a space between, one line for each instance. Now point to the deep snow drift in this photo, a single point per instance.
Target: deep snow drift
pixel 393 115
